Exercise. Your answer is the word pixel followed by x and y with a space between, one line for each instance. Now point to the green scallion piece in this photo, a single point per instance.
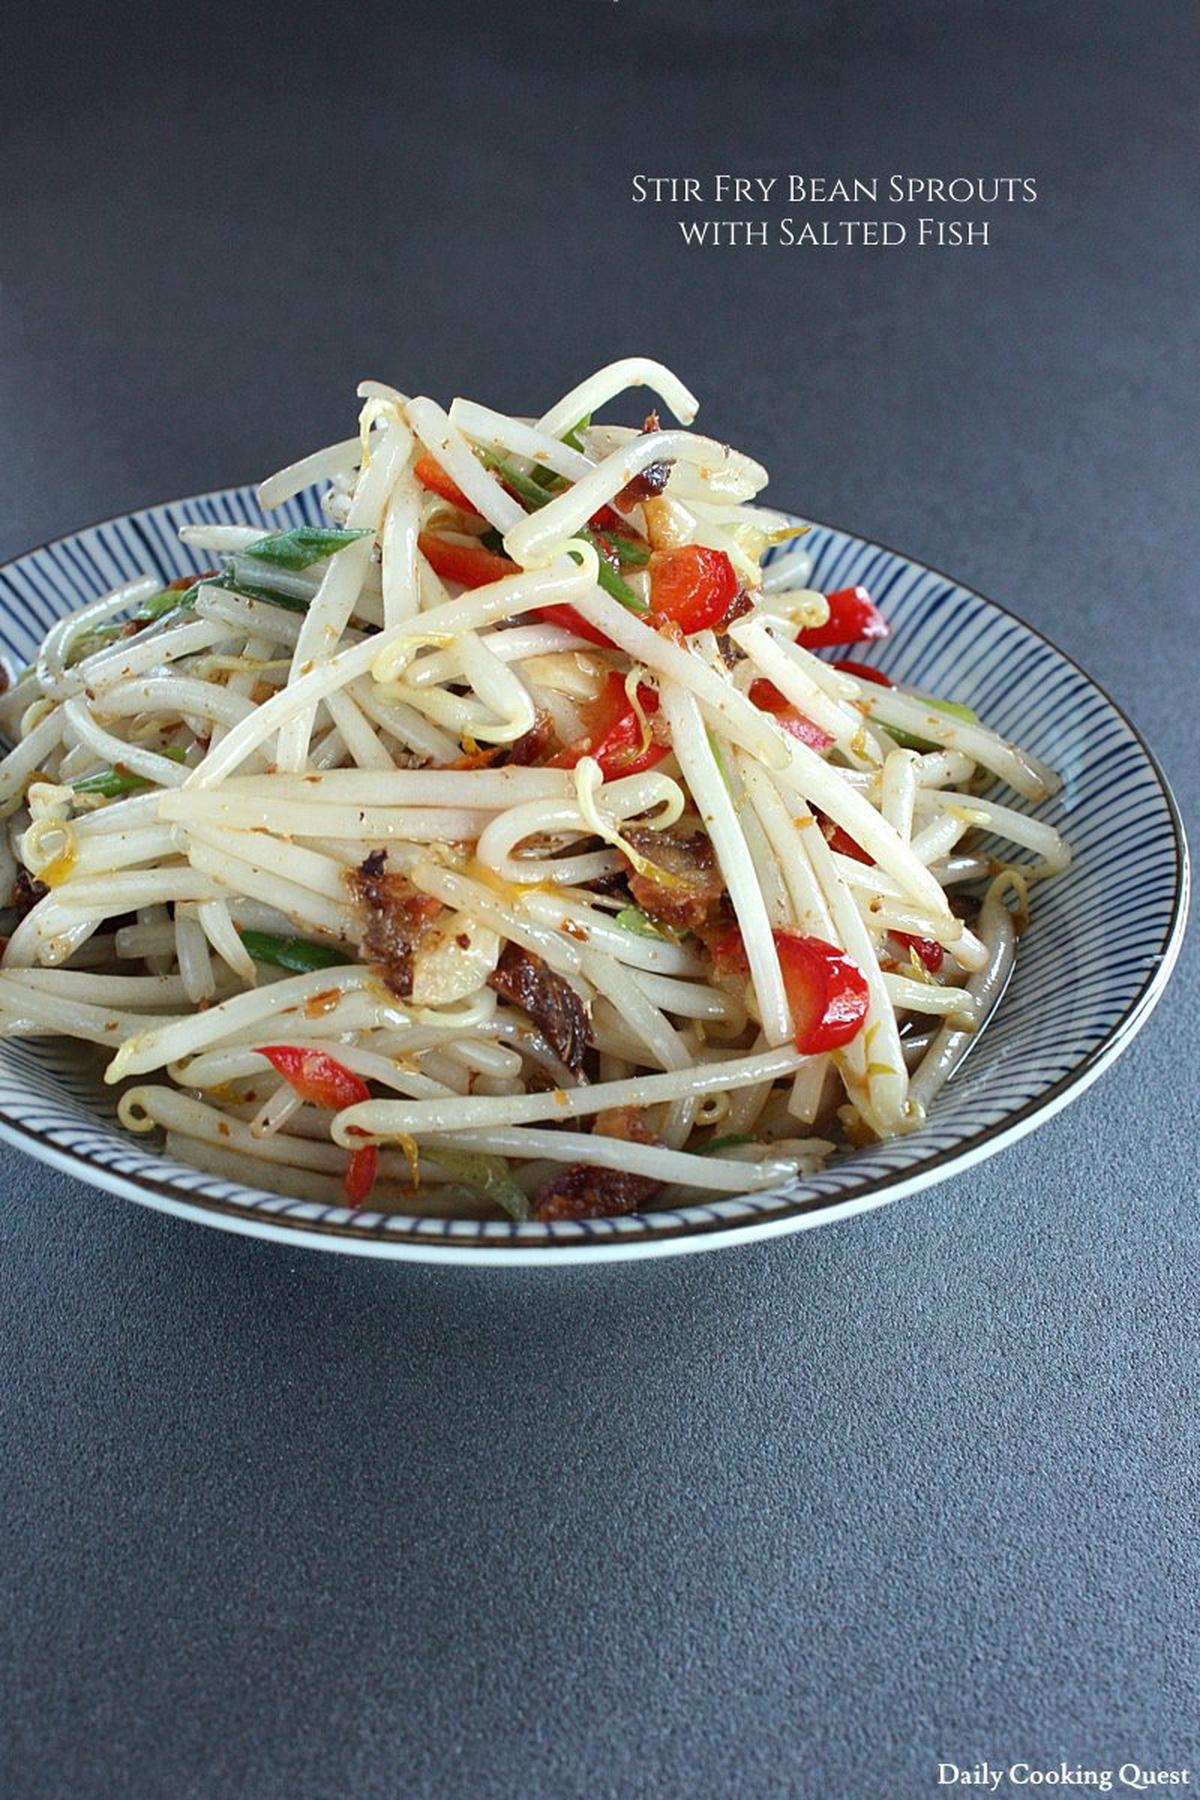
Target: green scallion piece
pixel 236 583
pixel 88 645
pixel 632 918
pixel 549 480
pixel 111 783
pixel 722 771
pixel 116 781
pixel 169 601
pixel 906 739
pixel 534 496
pixel 724 1143
pixel 488 1175
pixel 162 606
pixel 612 584
pixel 630 554
pixel 522 485
pixel 298 954
pixel 303 546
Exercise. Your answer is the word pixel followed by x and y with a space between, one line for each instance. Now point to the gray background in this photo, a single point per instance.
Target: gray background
pixel 800 1519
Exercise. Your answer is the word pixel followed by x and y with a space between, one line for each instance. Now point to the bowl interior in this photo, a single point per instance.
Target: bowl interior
pixel 1100 946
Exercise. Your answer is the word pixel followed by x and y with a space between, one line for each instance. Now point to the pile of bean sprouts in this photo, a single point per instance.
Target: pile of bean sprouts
pixel 262 750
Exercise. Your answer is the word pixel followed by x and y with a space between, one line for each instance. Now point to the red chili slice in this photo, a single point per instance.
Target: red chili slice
pixel 727 951
pixel 853 618
pixel 569 620
pixel 469 564
pixel 693 588
pixel 620 750
pixel 843 843
pixel 360 1175
pixel 473 565
pixel 826 990
pixel 929 952
pixel 614 735
pixel 432 476
pixel 864 672
pixel 767 697
pixel 323 1081
pixel 316 1076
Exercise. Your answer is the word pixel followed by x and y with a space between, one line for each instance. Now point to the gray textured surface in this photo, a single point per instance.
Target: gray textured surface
pixel 800 1519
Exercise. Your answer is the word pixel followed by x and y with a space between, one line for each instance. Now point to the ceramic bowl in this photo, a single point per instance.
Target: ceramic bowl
pixel 1103 937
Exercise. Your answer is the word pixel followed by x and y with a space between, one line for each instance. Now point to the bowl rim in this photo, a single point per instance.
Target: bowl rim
pixel 668 1239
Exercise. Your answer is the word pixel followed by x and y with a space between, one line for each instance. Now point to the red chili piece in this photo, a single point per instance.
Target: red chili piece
pixel 321 1080
pixel 853 618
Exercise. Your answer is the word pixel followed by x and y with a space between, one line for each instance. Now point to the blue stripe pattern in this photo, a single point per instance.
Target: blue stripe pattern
pixel 1102 939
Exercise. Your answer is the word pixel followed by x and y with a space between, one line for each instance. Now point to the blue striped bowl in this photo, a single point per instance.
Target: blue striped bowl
pixel 1105 936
